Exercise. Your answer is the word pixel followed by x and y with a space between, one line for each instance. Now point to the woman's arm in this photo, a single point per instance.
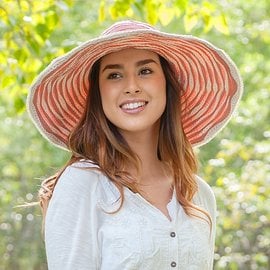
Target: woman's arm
pixel 70 224
pixel 205 198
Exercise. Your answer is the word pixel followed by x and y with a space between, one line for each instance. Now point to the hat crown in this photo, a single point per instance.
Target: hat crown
pixel 127 26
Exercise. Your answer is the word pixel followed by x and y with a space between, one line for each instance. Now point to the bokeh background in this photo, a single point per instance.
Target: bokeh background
pixel 236 163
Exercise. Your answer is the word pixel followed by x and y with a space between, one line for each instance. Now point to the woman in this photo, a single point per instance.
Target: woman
pixel 130 106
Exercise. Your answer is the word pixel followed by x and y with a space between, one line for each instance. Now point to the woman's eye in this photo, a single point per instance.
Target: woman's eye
pixel 145 71
pixel 114 76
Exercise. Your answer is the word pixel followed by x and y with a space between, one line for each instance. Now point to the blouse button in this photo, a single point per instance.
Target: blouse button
pixel 172 234
pixel 173 264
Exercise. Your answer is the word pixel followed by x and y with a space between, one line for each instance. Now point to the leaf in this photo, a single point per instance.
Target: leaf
pixel 221 24
pixel 182 4
pixel 208 23
pixel 6 81
pixel 19 104
pixel 190 22
pixel 33 44
pixel 121 8
pixel 165 15
pixel 32 65
pixel 207 14
pixel 101 12
pixel 42 30
pixel 51 19
pixel 21 54
pixel 151 10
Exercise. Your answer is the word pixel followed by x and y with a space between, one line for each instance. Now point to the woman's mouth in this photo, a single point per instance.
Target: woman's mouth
pixel 133 107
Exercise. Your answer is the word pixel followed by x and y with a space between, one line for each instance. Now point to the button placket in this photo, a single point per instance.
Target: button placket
pixel 173 247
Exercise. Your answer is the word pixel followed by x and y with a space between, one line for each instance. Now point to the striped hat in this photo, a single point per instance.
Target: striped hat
pixel 210 82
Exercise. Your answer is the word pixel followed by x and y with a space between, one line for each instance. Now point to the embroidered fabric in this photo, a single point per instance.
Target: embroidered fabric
pixel 80 233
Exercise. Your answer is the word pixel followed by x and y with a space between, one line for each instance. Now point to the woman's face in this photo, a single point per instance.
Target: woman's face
pixel 133 89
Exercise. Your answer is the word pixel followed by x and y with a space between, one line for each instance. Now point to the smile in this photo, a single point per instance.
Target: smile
pixel 133 105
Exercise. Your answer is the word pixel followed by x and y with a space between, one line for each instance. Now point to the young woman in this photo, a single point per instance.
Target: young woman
pixel 130 106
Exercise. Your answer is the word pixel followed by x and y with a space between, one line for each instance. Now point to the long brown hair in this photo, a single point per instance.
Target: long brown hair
pixel 98 140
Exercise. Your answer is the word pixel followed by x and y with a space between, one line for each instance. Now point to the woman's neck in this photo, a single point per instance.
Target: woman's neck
pixel 145 146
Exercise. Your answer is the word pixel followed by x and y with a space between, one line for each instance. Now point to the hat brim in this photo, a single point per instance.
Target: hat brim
pixel 211 83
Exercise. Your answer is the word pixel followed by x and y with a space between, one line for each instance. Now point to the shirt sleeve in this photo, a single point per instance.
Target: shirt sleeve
pixel 70 224
pixel 205 198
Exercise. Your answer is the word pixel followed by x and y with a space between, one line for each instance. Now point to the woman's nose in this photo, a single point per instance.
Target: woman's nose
pixel 132 86
pixel 132 91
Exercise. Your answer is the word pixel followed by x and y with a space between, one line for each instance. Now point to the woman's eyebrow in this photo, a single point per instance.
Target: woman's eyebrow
pixel 113 66
pixel 145 61
pixel 119 66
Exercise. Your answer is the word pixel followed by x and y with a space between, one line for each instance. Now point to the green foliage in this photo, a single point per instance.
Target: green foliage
pixel 25 46
pixel 24 157
pixel 164 12
pixel 236 163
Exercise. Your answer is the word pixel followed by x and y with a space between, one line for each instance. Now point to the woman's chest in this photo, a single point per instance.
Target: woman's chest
pixel 141 237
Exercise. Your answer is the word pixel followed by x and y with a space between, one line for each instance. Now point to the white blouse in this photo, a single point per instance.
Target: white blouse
pixel 82 234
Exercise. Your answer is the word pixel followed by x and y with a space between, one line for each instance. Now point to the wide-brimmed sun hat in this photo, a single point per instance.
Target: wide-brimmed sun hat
pixel 209 80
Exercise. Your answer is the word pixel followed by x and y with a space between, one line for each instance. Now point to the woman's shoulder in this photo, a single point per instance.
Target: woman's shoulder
pixel 204 196
pixel 204 188
pixel 80 177
pixel 81 172
pixel 85 178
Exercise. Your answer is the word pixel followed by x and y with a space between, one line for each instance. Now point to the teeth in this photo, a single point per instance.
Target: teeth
pixel 135 105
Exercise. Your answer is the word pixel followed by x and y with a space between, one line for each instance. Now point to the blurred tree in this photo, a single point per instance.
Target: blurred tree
pixel 165 11
pixel 236 163
pixel 26 27
pixel 25 47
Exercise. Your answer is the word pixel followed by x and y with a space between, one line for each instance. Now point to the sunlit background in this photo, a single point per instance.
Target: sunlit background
pixel 236 164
